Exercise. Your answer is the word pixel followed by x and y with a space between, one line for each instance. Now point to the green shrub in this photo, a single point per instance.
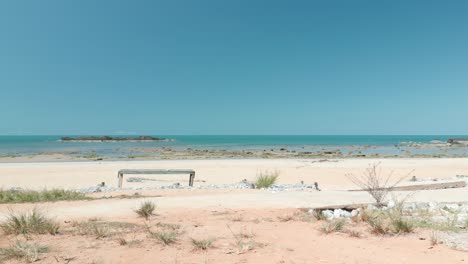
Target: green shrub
pixel 266 179
pixel 28 196
pixel 401 225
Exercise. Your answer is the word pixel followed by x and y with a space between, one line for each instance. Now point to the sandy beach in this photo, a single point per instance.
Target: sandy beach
pixel 330 174
pixel 275 217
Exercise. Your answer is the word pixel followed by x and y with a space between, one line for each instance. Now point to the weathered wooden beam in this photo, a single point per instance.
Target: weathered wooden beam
pixel 347 207
pixel 427 186
pixel 149 171
pixel 121 173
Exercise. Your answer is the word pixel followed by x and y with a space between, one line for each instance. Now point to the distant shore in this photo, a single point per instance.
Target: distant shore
pixel 111 139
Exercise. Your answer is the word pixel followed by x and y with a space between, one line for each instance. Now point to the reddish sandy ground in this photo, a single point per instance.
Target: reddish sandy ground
pixel 274 237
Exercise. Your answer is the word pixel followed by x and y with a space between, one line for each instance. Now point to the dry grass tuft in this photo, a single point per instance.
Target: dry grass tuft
pixel 23 251
pixel 434 239
pixel 243 240
pixel 285 218
pixel 202 244
pixel 33 222
pixel 146 209
pixel 355 233
pixel 101 229
pixel 166 237
pixel 266 179
pixel 333 226
pixel 168 226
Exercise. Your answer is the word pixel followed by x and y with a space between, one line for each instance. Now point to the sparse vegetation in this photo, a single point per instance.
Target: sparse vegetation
pixel 319 215
pixel 93 228
pixel 377 225
pixel 146 209
pixel 33 222
pixel 390 221
pixel 333 226
pixel 434 239
pixel 202 244
pixel 237 218
pixel 23 251
pixel 266 179
pixel 122 241
pixel 401 225
pixel 285 218
pixel 375 184
pixel 28 196
pixel 166 237
pixel 102 229
pixel 304 216
pixel 168 226
pixel 243 240
pixel 354 233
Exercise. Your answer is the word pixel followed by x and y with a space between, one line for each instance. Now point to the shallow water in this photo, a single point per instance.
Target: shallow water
pixel 381 144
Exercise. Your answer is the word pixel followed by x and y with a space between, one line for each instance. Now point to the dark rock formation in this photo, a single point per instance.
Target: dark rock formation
pixel 458 141
pixel 109 138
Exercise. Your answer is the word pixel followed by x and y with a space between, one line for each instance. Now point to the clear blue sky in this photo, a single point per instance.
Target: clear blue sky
pixel 234 67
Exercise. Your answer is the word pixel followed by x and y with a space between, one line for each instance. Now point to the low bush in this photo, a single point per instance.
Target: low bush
pixel 33 222
pixel 266 179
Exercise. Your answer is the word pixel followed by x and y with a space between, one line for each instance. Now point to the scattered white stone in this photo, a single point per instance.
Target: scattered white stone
pixel 329 214
pixel 451 207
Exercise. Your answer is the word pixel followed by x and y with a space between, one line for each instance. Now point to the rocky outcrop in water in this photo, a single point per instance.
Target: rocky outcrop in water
pixel 456 141
pixel 109 138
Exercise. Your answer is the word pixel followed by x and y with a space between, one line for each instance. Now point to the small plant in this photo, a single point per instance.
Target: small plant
pixel 146 209
pixel 202 244
pixel 434 239
pixel 23 251
pixel 243 241
pixel 237 218
pixel 266 179
pixel 401 225
pixel 375 184
pixel 166 237
pixel 101 231
pixel 29 223
pixel 304 216
pixel 122 241
pixel 378 227
pixel 98 229
pixel 354 233
pixel 333 226
pixel 397 221
pixel 168 226
pixel 285 218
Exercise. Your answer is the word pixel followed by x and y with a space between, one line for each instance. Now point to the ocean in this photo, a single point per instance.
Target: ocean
pixel 24 145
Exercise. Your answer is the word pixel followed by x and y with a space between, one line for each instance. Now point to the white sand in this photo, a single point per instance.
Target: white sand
pixel 330 175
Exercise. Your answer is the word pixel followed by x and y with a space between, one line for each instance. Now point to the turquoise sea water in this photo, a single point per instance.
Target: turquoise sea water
pixel 10 145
